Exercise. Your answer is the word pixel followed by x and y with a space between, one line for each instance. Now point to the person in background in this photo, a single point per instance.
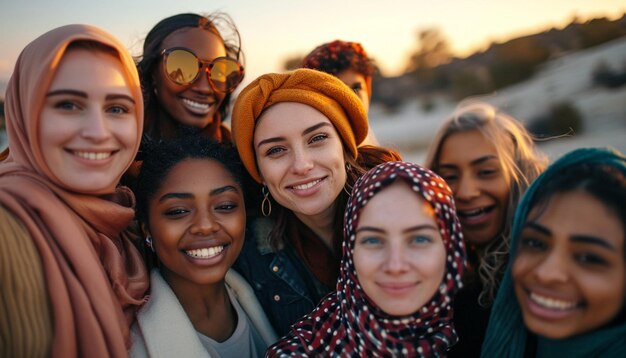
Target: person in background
pixel 71 279
pixel 298 135
pixel 488 159
pixel 403 259
pixel 564 292
pixel 349 62
pixel 190 203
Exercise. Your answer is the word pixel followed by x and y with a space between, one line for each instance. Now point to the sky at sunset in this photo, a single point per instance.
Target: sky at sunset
pixel 273 30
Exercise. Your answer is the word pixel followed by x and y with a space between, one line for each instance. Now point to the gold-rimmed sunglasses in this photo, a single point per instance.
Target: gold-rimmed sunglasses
pixel 183 67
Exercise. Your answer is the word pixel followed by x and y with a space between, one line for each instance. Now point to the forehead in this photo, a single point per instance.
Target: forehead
pixel 288 118
pixel 579 213
pixel 350 76
pixel 465 147
pixel 90 70
pixel 190 174
pixel 397 204
pixel 201 41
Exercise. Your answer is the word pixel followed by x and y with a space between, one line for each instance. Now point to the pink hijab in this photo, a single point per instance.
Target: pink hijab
pixel 95 276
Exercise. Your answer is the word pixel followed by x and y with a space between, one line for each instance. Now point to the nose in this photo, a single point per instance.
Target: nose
pixel 466 189
pixel 202 83
pixel 302 161
pixel 204 224
pixel 95 127
pixel 552 269
pixel 396 261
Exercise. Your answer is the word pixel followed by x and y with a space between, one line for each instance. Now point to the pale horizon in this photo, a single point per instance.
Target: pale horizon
pixel 273 31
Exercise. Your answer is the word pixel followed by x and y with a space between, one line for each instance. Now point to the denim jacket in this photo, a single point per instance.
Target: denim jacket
pixel 286 289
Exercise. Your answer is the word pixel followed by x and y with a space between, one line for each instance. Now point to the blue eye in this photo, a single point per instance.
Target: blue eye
pixel 318 138
pixel 421 239
pixel 66 105
pixel 370 241
pixel 274 150
pixel 117 109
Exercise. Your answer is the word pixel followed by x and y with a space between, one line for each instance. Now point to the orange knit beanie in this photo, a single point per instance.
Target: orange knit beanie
pixel 319 90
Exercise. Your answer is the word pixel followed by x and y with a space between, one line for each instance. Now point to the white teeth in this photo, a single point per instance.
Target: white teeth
pixel 93 155
pixel 307 185
pixel 205 253
pixel 471 212
pixel 197 105
pixel 551 302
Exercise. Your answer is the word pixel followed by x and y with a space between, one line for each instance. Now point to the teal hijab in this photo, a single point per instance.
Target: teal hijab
pixel 506 334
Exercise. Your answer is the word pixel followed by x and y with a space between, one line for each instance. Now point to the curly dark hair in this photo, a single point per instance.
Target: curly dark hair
pixel 163 155
pixel 338 56
pixel 218 23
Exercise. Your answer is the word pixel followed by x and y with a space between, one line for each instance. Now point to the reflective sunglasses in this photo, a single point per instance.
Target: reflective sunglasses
pixel 183 67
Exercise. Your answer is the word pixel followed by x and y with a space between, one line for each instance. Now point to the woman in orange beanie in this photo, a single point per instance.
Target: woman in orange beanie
pixel 298 135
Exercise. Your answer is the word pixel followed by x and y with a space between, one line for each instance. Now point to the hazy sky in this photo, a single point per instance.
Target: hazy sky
pixel 273 30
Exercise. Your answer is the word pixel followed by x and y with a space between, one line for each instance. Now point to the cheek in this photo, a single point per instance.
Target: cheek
pixel 522 265
pixel 363 263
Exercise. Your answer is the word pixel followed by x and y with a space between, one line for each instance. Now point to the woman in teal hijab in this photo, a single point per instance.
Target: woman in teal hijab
pixel 563 293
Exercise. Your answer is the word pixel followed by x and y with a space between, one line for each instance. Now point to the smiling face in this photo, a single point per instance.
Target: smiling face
pixel 357 83
pixel 195 104
pixel 469 163
pixel 88 127
pixel 399 256
pixel 300 158
pixel 569 272
pixel 197 221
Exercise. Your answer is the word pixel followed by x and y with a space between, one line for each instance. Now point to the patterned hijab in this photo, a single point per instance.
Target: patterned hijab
pixel 506 333
pixel 95 276
pixel 347 322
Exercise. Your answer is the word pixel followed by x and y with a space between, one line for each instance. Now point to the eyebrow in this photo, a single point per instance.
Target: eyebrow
pixel 585 239
pixel 213 192
pixel 67 92
pixel 82 94
pixel 407 230
pixel 304 132
pixel 476 161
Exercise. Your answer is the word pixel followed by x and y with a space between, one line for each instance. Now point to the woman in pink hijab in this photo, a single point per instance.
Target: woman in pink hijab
pixel 70 277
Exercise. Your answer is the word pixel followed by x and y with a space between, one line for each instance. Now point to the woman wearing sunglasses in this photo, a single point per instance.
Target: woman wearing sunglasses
pixel 298 135
pixel 188 69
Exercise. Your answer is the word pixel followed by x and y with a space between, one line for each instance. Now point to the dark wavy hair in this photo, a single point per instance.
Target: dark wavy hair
pixel 218 23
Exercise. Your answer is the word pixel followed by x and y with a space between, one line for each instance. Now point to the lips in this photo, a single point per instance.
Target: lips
pixel 475 216
pixel 92 155
pixel 307 185
pixel 195 107
pixel 205 253
pixel 551 302
pixel 396 288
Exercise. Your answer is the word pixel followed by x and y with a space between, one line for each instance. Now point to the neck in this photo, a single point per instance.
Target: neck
pixel 208 307
pixel 321 224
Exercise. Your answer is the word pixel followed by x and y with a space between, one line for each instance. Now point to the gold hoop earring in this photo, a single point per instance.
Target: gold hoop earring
pixel 266 204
